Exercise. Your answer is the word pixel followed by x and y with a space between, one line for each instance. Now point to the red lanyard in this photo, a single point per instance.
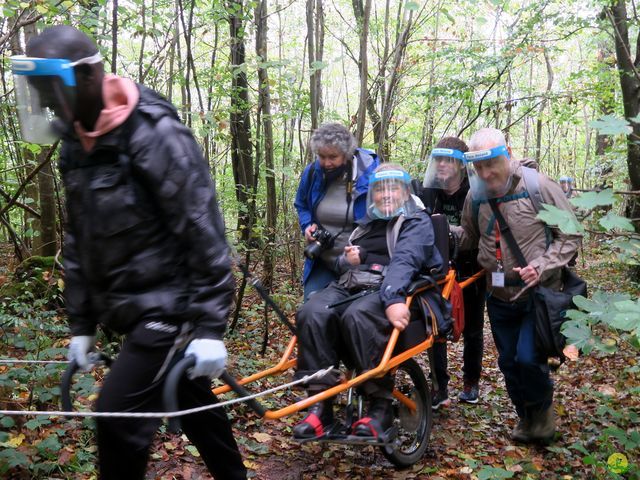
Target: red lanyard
pixel 498 249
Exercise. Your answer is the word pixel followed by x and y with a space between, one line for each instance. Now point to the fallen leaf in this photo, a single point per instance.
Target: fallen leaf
pixel 262 437
pixel 607 390
pixel 14 441
pixel 571 352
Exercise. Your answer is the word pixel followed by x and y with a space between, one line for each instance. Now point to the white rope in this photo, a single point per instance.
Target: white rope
pixel 179 413
pixel 4 361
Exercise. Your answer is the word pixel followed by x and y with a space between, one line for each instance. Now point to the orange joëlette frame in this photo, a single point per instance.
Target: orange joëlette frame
pixel 387 363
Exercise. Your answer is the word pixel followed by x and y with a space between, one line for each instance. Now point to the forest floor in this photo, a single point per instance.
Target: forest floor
pixel 597 404
pixel 467 441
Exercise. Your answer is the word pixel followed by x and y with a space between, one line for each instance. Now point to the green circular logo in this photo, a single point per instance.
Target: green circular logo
pixel 618 463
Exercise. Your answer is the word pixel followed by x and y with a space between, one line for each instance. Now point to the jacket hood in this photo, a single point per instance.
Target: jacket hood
pixel 119 96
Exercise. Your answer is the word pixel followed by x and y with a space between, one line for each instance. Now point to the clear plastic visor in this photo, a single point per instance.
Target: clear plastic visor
pixel 36 118
pixel 45 89
pixel 445 170
pixel 389 195
pixel 489 173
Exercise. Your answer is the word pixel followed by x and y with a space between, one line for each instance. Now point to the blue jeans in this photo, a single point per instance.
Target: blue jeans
pixel 319 277
pixel 525 371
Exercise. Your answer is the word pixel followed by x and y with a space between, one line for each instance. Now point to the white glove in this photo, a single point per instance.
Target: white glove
pixel 211 358
pixel 79 347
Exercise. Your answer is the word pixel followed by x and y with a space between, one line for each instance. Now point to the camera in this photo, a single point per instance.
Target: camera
pixel 322 240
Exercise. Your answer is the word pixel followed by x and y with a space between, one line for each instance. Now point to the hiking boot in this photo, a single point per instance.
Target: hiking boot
pixel 543 425
pixel 470 393
pixel 378 420
pixel 522 432
pixel 440 398
pixel 319 418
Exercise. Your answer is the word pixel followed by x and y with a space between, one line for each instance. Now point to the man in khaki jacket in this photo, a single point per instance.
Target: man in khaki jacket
pixel 494 176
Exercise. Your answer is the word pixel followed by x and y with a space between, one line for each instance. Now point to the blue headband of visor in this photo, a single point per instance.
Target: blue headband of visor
pixel 32 67
pixel 447 152
pixel 50 67
pixel 480 155
pixel 390 175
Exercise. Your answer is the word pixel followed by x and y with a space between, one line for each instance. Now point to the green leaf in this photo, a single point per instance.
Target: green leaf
pixel 491 473
pixel 611 125
pixel 192 450
pixel 412 6
pixel 577 315
pixel 37 423
pixel 624 321
pixel 612 221
pixel 577 333
pixel 50 444
pixel 13 458
pixel 628 306
pixel 565 220
pixel 635 119
pixel 7 422
pixel 589 200
pixel 317 65
pixel 587 305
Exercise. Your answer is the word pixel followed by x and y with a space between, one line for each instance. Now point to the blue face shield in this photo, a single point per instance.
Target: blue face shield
pixel 445 170
pixel 389 195
pixel 45 89
pixel 489 172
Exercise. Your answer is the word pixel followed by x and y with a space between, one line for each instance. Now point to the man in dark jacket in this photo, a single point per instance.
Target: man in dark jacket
pixel 445 189
pixel 145 253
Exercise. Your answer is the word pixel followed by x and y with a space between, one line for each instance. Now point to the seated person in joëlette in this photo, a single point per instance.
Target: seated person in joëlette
pixel 392 244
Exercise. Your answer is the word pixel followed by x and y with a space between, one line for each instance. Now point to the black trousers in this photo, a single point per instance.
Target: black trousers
pixel 123 444
pixel 473 337
pixel 356 333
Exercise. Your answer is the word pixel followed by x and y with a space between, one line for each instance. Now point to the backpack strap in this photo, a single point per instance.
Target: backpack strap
pixel 532 190
pixel 532 185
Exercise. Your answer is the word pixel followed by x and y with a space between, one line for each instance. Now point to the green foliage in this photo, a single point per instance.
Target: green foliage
pixel 618 313
pixel 591 200
pixel 560 218
pixel 611 125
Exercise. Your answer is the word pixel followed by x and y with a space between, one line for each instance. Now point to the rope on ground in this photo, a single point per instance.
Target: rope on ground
pixel 179 413
pixel 9 361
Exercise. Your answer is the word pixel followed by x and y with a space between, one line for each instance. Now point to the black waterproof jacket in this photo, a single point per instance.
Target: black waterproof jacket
pixel 145 239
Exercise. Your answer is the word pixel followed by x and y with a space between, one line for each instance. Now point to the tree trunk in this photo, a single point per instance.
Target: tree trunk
pixel 114 36
pixel 630 87
pixel 543 105
pixel 362 13
pixel 315 44
pixel 240 124
pixel 264 106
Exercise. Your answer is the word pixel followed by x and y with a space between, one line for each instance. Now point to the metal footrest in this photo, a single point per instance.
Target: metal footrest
pixel 341 433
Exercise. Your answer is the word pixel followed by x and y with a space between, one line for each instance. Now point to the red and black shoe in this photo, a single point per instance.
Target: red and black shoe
pixel 378 420
pixel 317 421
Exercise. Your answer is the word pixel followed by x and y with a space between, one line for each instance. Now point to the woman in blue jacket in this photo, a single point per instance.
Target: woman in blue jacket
pixel 331 197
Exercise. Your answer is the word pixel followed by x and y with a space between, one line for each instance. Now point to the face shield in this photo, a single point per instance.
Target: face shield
pixel 389 195
pixel 445 170
pixel 489 172
pixel 45 91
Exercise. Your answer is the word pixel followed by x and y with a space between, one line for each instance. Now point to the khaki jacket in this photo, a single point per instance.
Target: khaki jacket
pixel 528 231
